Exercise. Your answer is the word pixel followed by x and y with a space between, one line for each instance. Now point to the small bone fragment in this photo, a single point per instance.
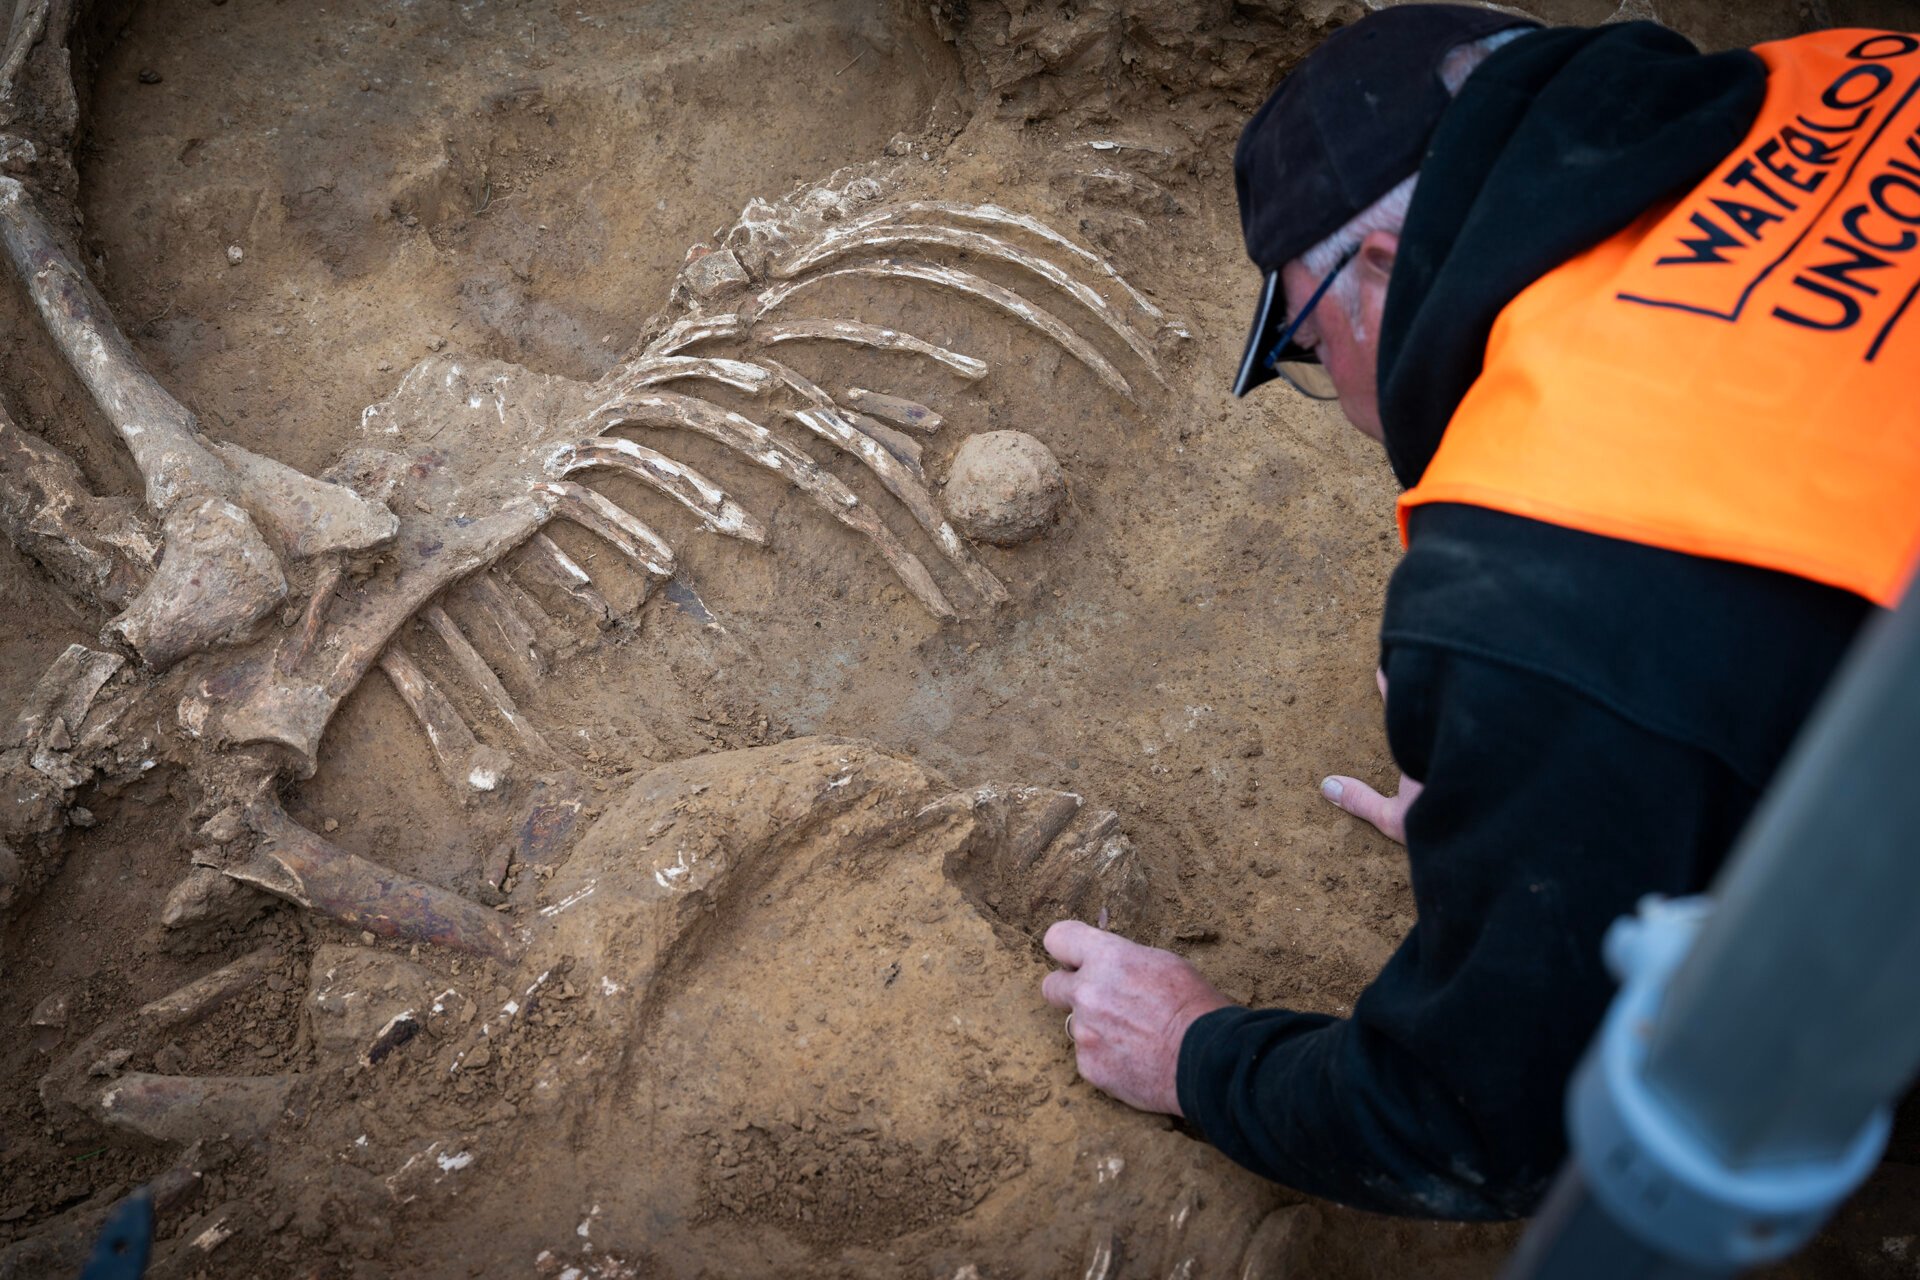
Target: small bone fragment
pixel 651 370
pixel 50 1012
pixel 867 335
pixel 973 286
pixel 685 333
pixel 598 514
pixel 62 695
pixel 476 670
pixel 192 1108
pixel 839 241
pixel 676 480
pixel 544 558
pixel 709 271
pixel 467 765
pixel 898 443
pixel 901 413
pixel 665 409
pixel 994 215
pixel 516 634
pixel 913 495
pixel 98 548
pixel 298 865
pixel 216 578
pixel 309 517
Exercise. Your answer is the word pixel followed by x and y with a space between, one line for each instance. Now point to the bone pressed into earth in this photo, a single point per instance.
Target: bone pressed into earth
pixel 310 517
pixel 894 409
pixel 293 863
pixel 99 548
pixel 913 495
pixel 685 333
pixel 841 241
pixel 216 578
pixel 192 1108
pixel 676 480
pixel 466 764
pixel 600 515
pixel 973 286
pixel 490 599
pixel 867 335
pixel 665 409
pixel 543 558
pixel 650 371
pixel 476 670
pixel 903 447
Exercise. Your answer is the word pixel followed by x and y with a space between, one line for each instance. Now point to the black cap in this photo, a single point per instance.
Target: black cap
pixel 1341 131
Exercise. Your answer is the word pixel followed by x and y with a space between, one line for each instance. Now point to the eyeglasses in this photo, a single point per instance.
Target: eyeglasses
pixel 1300 366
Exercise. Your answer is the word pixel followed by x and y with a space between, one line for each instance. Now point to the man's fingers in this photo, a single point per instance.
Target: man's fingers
pixel 1363 802
pixel 1072 943
pixel 1380 682
pixel 1057 988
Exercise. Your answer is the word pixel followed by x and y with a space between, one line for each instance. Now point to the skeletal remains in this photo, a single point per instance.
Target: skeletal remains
pixel 438 517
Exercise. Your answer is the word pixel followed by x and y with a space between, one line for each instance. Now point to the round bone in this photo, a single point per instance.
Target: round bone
pixel 1003 487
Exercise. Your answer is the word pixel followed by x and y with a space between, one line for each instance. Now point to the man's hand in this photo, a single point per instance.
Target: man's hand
pixel 1131 1006
pixel 1387 813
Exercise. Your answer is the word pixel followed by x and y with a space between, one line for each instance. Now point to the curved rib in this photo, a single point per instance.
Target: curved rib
pixel 676 480
pixel 829 425
pixel 600 515
pixel 994 215
pixel 684 333
pixel 968 283
pixel 868 335
pixel 750 439
pixel 844 240
pixel 649 371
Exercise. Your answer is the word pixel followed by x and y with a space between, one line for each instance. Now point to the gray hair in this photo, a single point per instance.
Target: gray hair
pixel 1389 212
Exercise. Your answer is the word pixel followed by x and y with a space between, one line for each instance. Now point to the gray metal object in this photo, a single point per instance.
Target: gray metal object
pixel 1740 1086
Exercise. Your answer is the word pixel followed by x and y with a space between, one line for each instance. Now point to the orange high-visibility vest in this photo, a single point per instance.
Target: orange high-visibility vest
pixel 1733 375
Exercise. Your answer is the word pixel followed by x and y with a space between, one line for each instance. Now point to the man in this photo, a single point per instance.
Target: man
pixel 1627 320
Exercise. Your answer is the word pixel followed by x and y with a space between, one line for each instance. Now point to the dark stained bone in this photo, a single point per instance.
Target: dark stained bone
pixel 293 863
pixel 101 549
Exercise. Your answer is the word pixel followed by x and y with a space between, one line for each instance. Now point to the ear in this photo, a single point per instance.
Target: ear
pixel 1375 264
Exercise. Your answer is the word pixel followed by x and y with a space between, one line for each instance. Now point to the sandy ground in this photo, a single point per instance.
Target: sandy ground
pixel 1192 646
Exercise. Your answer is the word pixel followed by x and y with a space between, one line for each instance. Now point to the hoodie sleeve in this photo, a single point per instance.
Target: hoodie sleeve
pixel 1544 817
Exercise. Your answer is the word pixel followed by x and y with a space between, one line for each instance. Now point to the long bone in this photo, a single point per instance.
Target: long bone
pixel 666 409
pixel 217 575
pixel 973 286
pixel 894 409
pixel 840 241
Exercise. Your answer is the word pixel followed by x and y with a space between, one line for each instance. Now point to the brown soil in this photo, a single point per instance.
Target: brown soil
pixel 846 1068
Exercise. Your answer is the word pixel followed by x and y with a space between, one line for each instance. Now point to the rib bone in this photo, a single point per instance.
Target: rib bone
pixel 544 558
pixel 467 765
pixel 841 241
pixel 475 669
pixel 517 635
pixel 685 333
pixel 650 371
pixel 601 515
pixel 676 480
pixel 665 409
pixel 867 335
pixel 968 283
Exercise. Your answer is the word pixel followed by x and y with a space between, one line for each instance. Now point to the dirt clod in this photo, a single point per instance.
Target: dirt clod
pixel 1004 487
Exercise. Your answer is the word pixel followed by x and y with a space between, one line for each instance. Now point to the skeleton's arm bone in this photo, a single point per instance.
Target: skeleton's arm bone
pixel 98 548
pixel 665 409
pixel 973 286
pixel 840 241
pixel 865 335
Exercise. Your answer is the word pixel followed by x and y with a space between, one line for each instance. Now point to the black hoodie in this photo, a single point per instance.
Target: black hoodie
pixel 1593 719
